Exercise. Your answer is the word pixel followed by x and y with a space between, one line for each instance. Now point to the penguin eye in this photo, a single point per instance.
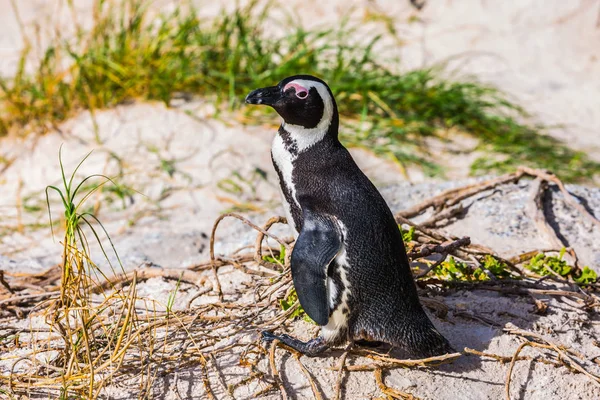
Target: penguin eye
pixel 300 91
pixel 302 94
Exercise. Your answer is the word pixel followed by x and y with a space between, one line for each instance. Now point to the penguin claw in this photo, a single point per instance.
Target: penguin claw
pixel 310 348
pixel 268 337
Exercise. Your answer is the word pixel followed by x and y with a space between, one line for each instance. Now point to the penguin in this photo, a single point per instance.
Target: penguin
pixel 349 265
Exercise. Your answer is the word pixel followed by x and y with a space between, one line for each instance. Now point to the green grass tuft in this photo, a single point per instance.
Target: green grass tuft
pixel 131 53
pixel 72 314
pixel 543 264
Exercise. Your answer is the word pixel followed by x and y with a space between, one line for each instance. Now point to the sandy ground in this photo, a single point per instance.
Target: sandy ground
pixel 475 319
pixel 190 168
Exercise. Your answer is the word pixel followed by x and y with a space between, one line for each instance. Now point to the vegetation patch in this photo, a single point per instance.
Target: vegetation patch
pixel 545 265
pixel 131 53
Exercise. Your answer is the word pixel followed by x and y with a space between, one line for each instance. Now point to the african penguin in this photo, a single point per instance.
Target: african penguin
pixel 349 264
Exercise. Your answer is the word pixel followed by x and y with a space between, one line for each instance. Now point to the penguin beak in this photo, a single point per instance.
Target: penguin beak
pixel 267 96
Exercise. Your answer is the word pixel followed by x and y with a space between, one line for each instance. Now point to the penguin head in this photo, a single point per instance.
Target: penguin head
pixel 304 102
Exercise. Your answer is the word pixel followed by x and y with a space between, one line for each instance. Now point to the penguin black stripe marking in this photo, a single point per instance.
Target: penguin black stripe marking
pixel 349 264
pixel 288 142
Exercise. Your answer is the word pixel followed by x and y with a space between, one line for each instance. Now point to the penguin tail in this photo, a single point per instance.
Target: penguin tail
pixel 431 344
pixel 421 339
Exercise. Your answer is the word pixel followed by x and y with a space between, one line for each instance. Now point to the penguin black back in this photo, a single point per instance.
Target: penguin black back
pixel 349 264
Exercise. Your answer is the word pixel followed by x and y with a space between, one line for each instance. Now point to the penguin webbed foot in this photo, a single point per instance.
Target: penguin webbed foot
pixel 311 348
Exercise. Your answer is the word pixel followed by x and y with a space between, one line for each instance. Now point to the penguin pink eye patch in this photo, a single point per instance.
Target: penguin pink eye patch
pixel 301 91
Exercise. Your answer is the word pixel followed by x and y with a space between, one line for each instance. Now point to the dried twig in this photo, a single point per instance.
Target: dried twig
pixel 259 239
pixel 274 369
pixel 443 216
pixel 340 378
pixel 313 385
pixel 4 283
pixel 390 362
pixel 562 351
pixel 175 274
pixel 568 196
pixel 394 393
pixel 510 368
pixel 28 298
pixel 214 265
pixel 451 197
pixel 444 248
pixel 505 359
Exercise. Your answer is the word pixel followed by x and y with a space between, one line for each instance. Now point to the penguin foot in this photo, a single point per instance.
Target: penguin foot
pixel 311 348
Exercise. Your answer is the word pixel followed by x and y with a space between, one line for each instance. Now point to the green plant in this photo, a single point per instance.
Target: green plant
pixel 543 264
pixel 409 235
pixel 292 300
pixel 172 295
pixel 587 276
pixel 131 53
pixel 76 259
pixel 453 270
pixel 497 267
pixel 276 258
pixel 73 316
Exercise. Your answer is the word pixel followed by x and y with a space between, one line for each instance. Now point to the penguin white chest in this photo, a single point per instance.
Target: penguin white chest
pixel 284 160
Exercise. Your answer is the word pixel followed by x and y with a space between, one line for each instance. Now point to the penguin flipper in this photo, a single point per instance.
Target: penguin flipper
pixel 317 245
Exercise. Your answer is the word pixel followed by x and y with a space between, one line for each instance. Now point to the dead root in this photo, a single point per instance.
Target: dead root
pixel 567 357
pixel 391 392
pixel 134 339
